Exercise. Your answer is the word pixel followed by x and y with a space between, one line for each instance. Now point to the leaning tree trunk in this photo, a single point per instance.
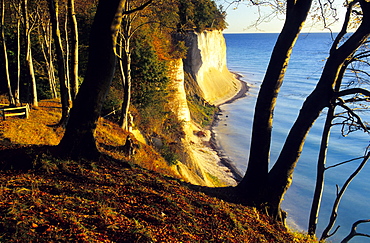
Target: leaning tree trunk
pixel 256 176
pixel 6 61
pixel 280 176
pixel 62 75
pixel 79 140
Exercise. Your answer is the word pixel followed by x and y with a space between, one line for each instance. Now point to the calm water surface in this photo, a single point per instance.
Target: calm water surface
pixel 248 54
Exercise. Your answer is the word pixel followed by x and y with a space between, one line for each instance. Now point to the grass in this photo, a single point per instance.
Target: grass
pixel 112 201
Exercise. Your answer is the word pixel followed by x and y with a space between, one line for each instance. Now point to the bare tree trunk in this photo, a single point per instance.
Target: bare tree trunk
pixel 66 58
pixel 127 91
pixel 125 64
pixel 17 88
pixel 45 52
pixel 255 179
pixel 316 201
pixel 29 60
pixel 74 43
pixel 6 61
pixel 64 93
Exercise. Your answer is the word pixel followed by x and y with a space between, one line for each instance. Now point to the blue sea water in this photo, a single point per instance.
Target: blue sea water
pixel 248 55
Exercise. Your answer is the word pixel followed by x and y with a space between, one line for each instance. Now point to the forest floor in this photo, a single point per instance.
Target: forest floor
pixel 112 199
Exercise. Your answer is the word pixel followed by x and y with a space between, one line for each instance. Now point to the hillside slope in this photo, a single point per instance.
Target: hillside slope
pixel 109 200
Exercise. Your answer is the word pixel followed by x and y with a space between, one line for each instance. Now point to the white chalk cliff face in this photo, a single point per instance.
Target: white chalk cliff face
pixel 217 84
pixel 206 62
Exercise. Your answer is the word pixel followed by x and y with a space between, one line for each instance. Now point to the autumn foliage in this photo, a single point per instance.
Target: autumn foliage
pixel 109 200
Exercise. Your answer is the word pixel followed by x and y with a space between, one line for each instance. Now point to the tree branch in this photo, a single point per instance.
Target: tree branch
pixel 352 91
pixel 343 31
pixel 138 8
pixel 352 113
pixel 354 233
pixel 334 213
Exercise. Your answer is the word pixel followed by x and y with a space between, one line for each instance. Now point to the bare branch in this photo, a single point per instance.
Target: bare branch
pixel 343 31
pixel 344 162
pixel 354 232
pixel 352 113
pixel 138 8
pixel 353 91
pixel 334 213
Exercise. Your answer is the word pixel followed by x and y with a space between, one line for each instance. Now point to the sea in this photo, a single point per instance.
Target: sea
pixel 248 55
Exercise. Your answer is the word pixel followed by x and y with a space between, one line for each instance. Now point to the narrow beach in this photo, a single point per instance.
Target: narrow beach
pixel 213 141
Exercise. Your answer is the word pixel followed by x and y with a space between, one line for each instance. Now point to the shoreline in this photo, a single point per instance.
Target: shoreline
pixel 225 161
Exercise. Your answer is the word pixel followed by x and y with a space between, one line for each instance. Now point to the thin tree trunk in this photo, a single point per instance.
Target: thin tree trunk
pixel 46 50
pixel 126 90
pixel 316 201
pixel 29 59
pixel 64 93
pixel 66 63
pixel 74 49
pixel 17 88
pixel 6 61
pixel 256 176
pixel 320 174
pixel 125 64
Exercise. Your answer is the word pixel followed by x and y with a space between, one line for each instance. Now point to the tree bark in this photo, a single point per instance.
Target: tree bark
pixel 256 176
pixel 125 65
pixel 29 59
pixel 17 88
pixel 62 75
pixel 6 61
pixel 78 140
pixel 74 49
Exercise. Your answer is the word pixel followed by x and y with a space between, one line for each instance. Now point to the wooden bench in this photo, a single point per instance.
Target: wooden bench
pixel 15 111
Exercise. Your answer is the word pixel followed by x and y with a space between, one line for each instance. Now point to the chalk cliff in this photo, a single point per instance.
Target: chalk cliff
pixel 206 63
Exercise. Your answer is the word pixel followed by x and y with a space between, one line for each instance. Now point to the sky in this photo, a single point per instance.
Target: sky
pixel 242 18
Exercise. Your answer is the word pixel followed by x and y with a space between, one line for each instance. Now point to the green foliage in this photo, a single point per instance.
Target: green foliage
pixel 113 101
pixel 169 154
pixel 149 74
pixel 179 49
pixel 201 15
pixel 201 112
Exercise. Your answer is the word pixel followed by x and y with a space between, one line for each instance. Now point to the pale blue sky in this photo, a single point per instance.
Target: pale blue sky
pixel 242 18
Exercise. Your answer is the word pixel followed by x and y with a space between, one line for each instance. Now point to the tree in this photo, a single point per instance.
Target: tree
pixel 5 52
pixel 29 60
pixel 127 32
pixel 351 120
pixel 79 140
pixel 62 72
pixel 74 51
pixel 265 188
pixel 256 177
